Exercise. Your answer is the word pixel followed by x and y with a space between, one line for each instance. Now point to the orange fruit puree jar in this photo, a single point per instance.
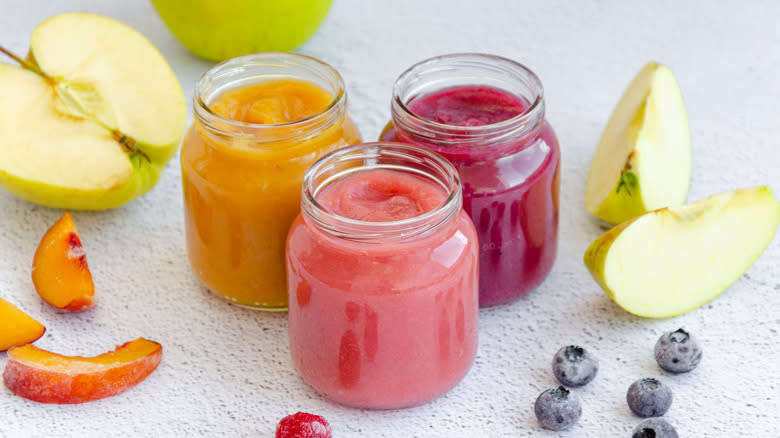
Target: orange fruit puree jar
pixel 259 122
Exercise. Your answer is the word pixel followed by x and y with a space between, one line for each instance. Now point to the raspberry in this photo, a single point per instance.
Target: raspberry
pixel 303 425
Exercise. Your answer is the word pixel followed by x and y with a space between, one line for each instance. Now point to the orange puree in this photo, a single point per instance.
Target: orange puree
pixel 242 189
pixel 272 102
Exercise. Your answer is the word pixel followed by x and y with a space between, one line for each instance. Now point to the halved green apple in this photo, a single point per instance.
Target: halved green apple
pixel 90 118
pixel 643 160
pixel 673 260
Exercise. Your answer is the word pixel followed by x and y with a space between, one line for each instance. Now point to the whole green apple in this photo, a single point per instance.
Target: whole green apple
pixel 222 29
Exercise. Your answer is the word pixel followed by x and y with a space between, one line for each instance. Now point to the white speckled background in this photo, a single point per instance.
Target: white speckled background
pixel 226 371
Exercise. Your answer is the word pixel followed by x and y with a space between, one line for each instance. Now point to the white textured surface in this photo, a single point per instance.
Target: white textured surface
pixel 226 371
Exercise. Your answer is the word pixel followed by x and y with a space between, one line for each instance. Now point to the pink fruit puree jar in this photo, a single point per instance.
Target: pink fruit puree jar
pixel 382 277
pixel 486 115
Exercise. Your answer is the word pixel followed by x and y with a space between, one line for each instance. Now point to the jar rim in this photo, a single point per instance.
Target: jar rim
pixel 487 64
pixel 235 67
pixel 440 170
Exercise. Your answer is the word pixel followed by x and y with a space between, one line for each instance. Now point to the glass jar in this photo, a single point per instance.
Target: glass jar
pixel 383 308
pixel 486 115
pixel 242 180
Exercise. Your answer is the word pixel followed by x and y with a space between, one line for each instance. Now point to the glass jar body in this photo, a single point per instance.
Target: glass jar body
pixel 242 182
pixel 512 199
pixel 486 115
pixel 384 323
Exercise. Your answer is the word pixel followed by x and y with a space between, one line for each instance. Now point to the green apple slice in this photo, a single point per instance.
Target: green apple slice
pixel 94 114
pixel 643 160
pixel 673 260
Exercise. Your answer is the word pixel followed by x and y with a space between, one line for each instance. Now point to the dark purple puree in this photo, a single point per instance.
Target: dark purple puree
pixel 510 191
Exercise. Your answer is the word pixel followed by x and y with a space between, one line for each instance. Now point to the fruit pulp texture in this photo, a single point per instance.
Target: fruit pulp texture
pixel 381 196
pixel 19 328
pixel 241 196
pixel 390 323
pixel 511 194
pixel 60 272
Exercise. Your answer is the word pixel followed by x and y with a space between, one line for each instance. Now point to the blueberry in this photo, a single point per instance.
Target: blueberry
pixel 574 366
pixel 654 428
pixel 649 397
pixel 557 408
pixel 677 352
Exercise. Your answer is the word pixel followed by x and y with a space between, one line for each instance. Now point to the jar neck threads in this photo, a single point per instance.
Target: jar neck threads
pixel 381 155
pixel 467 69
pixel 254 68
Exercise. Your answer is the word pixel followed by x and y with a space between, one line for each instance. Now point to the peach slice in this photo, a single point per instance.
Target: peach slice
pixel 47 377
pixel 60 272
pixel 17 327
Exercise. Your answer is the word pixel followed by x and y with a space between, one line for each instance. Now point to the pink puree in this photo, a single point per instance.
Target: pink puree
pixel 511 194
pixel 381 196
pixel 385 324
